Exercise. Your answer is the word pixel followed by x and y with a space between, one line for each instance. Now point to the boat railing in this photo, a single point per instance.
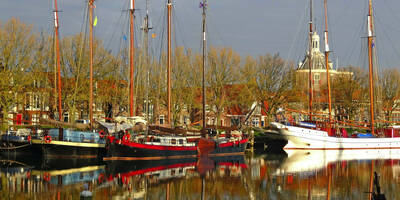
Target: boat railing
pixel 75 136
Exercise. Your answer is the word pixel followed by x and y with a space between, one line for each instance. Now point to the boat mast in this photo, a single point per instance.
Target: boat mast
pixel 204 6
pixel 169 7
pixel 57 53
pixel 91 6
pixel 327 65
pixel 146 28
pixel 131 57
pixel 370 65
pixel 310 97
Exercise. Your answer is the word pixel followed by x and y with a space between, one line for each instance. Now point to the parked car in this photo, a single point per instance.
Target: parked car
pixel 82 121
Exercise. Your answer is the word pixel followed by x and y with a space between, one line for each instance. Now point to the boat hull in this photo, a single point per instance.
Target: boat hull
pixel 304 138
pixel 138 151
pixel 64 149
pixel 17 147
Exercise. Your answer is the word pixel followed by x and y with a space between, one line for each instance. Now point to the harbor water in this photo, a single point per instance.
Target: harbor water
pixel 259 175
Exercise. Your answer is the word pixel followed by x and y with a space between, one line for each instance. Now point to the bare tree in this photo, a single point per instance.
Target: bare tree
pixel 390 86
pixel 223 65
pixel 271 83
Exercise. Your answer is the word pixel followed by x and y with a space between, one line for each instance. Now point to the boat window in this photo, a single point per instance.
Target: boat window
pixel 180 141
pixel 173 141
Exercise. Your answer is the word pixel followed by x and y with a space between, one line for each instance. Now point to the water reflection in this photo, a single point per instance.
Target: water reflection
pixel 286 175
pixel 47 179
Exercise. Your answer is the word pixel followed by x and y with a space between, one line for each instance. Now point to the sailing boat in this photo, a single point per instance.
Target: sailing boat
pixel 301 137
pixel 71 143
pixel 172 143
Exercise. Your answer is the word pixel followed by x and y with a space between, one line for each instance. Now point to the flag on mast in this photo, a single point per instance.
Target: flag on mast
pixel 95 21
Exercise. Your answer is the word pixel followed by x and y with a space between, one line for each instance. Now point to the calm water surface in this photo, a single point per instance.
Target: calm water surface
pixel 285 175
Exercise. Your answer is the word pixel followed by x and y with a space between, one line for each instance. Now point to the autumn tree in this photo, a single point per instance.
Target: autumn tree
pixel 349 91
pixel 17 45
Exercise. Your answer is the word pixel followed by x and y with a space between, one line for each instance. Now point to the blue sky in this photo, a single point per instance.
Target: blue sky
pixel 252 27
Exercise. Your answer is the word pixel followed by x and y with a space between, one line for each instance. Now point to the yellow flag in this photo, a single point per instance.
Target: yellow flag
pixel 95 21
pixel 153 35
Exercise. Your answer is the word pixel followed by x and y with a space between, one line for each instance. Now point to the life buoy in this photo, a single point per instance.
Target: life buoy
pixel 47 139
pixel 125 179
pixel 29 138
pixel 46 177
pixel 102 134
pixel 111 139
pixel 126 138
pixel 101 178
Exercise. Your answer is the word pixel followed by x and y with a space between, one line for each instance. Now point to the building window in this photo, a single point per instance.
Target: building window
pixel 235 121
pixel 316 79
pixel 36 101
pixel 35 119
pixel 28 101
pixel 66 117
pixel 256 122
pixel 161 119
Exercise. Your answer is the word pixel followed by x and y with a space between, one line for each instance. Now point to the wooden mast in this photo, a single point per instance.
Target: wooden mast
pixel 56 35
pixel 131 57
pixel 370 65
pixel 169 7
pixel 327 65
pixel 91 61
pixel 310 97
pixel 371 86
pixel 204 6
